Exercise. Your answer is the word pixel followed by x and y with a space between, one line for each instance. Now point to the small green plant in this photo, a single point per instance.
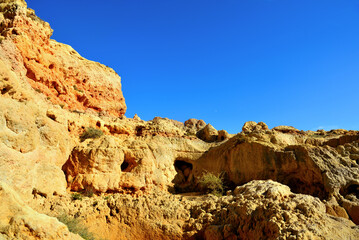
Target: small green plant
pixel 76 196
pixel 89 193
pixel 91 133
pixel 75 87
pixel 38 90
pixel 62 105
pixel 189 134
pixel 210 183
pixel 75 226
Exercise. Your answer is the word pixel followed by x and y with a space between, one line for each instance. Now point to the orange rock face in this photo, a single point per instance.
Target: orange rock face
pixel 57 70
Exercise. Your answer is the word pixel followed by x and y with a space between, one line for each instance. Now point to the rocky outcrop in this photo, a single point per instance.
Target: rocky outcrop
pixel 269 210
pixel 19 221
pixel 51 98
pixel 194 124
pixel 208 133
pixel 54 69
pixel 251 126
pixel 156 215
pixel 33 147
pixel 308 163
pixel 256 210
pixel 134 161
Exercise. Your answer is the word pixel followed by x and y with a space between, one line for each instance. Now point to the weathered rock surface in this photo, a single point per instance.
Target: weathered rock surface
pixel 116 164
pixel 251 126
pixel 256 210
pixel 33 147
pixel 319 165
pixel 56 69
pixel 50 96
pixel 19 221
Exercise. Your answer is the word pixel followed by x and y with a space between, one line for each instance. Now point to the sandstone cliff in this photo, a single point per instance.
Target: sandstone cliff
pixel 64 136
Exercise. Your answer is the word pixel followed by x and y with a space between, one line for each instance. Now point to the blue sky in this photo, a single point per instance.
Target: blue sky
pixel 283 62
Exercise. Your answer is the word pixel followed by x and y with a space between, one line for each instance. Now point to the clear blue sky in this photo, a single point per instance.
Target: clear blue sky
pixel 283 62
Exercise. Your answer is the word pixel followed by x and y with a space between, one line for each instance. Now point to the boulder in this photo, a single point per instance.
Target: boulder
pixel 208 133
pixel 251 126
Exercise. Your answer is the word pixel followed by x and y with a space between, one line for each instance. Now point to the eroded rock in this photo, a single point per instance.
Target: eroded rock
pixel 57 70
pixel 19 221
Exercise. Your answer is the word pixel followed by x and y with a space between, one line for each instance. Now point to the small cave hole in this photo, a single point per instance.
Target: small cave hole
pixel 182 180
pixel 51 66
pixel 139 130
pixel 128 164
pixel 124 166
pixel 184 168
pixel 98 124
pixel 350 189
pixel 5 90
pixel 297 185
pixel 181 165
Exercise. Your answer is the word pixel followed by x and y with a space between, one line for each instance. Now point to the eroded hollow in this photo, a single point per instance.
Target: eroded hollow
pixel 139 130
pixel 350 189
pixel 128 164
pixel 6 89
pixel 183 179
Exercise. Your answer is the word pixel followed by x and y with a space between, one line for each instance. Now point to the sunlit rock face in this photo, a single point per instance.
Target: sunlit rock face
pixel 285 183
pixel 56 69
pixel 321 164
pixel 135 157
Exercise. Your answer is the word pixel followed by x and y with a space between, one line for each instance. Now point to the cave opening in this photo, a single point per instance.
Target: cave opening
pixel 181 165
pixel 124 166
pixel 128 164
pixel 350 189
pixel 139 130
pixel 184 177
pixel 5 90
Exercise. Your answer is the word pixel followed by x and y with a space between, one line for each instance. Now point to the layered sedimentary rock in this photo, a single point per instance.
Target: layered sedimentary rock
pixel 55 69
pixel 39 77
pixel 33 147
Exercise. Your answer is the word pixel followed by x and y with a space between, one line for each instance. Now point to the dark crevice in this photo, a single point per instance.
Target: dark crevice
pixel 183 179
pixel 341 140
pixel 6 90
pixel 139 130
pixel 128 164
pixel 30 74
pixel 350 189
pixel 181 165
pixel 124 166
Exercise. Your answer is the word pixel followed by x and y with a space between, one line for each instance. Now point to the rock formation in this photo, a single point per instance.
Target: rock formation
pixel 64 136
pixel 19 221
pixel 322 165
pixel 54 69
pixel 256 210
